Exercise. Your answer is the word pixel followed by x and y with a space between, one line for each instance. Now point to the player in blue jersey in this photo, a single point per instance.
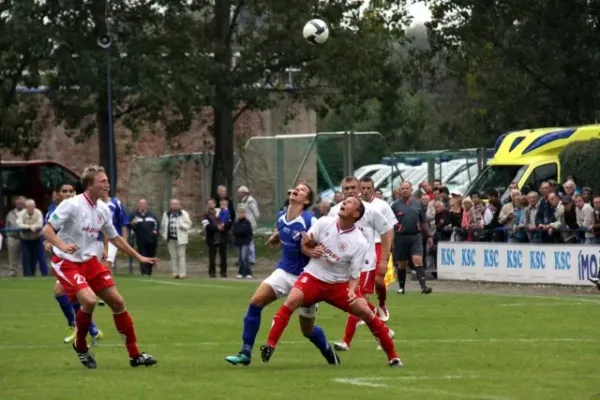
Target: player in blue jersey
pixel 291 223
pixel 66 191
pixel 120 221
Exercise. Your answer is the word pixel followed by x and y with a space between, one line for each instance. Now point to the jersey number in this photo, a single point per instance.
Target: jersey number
pixel 79 279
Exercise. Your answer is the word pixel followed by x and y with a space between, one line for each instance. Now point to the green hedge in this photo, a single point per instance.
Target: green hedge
pixel 580 159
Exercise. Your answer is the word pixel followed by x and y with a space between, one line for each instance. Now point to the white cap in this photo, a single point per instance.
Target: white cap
pixel 243 189
pixel 455 192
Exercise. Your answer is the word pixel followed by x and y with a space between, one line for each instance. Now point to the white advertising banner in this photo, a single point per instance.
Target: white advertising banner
pixel 518 263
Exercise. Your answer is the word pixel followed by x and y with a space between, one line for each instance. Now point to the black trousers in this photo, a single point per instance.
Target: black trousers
pixel 213 249
pixel 147 250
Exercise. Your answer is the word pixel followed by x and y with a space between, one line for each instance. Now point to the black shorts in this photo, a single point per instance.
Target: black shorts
pixel 407 246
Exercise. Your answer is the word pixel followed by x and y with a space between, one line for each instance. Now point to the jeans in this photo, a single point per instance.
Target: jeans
pixel 243 253
pixel 30 251
pixel 252 252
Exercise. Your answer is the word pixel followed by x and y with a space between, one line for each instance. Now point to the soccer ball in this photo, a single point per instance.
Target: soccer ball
pixel 316 31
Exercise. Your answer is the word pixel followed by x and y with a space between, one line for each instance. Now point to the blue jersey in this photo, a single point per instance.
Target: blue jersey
pixel 119 216
pixel 51 209
pixel 292 259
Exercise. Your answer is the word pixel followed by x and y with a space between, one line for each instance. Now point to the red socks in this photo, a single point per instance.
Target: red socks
pixel 124 325
pixel 280 322
pixel 381 294
pixel 83 321
pixel 352 324
pixel 381 332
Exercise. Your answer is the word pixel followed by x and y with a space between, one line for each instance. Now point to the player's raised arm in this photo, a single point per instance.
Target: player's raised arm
pixel 109 231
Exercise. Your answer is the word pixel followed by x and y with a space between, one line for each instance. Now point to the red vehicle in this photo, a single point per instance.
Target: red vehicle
pixel 33 179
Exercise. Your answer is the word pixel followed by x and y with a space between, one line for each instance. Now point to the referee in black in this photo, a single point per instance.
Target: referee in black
pixel 408 237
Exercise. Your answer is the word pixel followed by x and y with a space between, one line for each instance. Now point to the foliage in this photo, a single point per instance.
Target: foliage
pixel 580 159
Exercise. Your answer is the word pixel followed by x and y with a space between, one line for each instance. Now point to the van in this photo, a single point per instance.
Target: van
pixel 35 180
pixel 528 157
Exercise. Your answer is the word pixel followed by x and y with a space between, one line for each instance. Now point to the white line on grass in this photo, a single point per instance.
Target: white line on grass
pixel 408 341
pixel 554 304
pixel 374 382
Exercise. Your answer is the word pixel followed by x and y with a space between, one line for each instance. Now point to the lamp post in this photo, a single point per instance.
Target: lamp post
pixel 207 159
pixel 105 42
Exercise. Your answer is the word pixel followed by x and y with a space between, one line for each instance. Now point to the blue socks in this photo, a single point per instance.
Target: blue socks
pixel 251 327
pixel 93 330
pixel 66 308
pixel 317 337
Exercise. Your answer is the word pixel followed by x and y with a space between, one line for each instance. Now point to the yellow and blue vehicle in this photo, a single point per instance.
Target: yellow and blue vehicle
pixel 528 157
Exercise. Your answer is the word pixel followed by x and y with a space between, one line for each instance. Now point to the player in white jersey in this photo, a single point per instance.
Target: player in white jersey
pixel 367 193
pixel 72 230
pixel 370 224
pixel 338 251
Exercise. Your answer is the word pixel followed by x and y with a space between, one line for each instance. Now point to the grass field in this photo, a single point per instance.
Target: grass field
pixel 455 346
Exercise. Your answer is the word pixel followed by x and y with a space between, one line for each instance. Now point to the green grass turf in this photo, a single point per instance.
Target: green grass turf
pixel 455 346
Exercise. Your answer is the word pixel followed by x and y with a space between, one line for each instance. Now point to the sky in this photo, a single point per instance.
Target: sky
pixel 419 12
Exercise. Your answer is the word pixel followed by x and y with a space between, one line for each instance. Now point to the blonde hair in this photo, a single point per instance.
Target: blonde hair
pixel 467 200
pixel 89 175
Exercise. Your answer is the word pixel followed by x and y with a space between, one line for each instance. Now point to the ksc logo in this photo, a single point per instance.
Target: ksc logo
pixel 468 258
pixel 587 264
pixel 447 257
pixel 490 258
pixel 514 259
pixel 562 260
pixel 537 259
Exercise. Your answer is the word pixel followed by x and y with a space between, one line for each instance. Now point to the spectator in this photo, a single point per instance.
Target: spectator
pixel 511 188
pixel 597 218
pixel 585 220
pixel 216 239
pixel 223 195
pixel 586 194
pixel 252 215
pixel 13 237
pixel 507 215
pixel 493 194
pixel 520 221
pixel 490 221
pixel 477 203
pixel 545 212
pixel 31 221
pixel 174 227
pixel 379 194
pixel 569 188
pixel 445 196
pixel 569 225
pixel 338 197
pixel 455 220
pixel 475 217
pixel 324 208
pixel 442 222
pixel 467 206
pixel 436 184
pixel 242 237
pixel 531 217
pixel 144 225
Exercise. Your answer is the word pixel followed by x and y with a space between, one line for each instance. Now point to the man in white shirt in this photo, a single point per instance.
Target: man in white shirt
pixel 372 223
pixel 337 250
pixel 75 263
pixel 367 193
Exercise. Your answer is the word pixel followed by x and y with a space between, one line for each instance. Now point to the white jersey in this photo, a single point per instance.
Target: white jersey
pixel 344 255
pixel 384 208
pixel 79 221
pixel 371 223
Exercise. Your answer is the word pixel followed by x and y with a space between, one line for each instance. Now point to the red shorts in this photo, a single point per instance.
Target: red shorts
pixel 74 276
pixel 316 291
pixel 378 254
pixel 367 282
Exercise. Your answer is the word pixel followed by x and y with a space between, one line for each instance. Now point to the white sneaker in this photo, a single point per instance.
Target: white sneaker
pixel 383 313
pixel 391 334
pixel 239 276
pixel 248 277
pixel 396 362
pixel 400 291
pixel 341 346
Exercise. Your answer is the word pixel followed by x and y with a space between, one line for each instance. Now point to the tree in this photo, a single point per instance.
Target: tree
pixel 580 159
pixel 523 64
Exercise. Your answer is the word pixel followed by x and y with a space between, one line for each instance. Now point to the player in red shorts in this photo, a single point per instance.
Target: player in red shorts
pixel 75 263
pixel 372 224
pixel 332 276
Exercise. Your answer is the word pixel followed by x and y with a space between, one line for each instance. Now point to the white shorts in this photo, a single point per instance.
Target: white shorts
pixel 282 283
pixel 112 253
